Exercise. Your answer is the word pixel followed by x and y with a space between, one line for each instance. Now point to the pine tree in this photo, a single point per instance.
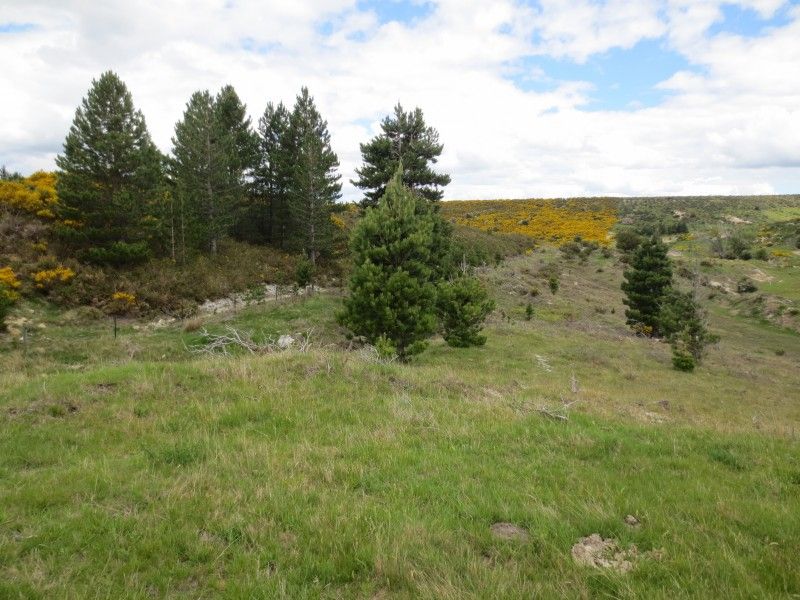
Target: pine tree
pixel 393 285
pixel 405 137
pixel 314 185
pixel 110 174
pixel 213 154
pixel 647 280
pixel 272 175
pixel 238 145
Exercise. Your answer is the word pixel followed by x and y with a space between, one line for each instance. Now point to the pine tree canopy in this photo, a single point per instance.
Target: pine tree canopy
pixel 405 137
pixel 109 174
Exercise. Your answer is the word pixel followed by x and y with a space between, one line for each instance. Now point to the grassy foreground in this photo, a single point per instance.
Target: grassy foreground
pixel 132 468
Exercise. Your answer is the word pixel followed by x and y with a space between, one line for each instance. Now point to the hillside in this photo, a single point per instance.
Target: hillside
pixel 137 467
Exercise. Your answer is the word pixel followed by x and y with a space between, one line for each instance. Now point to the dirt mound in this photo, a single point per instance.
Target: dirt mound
pixel 595 551
pixel 509 531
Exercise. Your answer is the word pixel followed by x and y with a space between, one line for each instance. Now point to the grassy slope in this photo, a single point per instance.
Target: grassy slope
pixel 130 468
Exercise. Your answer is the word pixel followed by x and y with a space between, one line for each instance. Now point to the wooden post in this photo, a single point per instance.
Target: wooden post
pixel 115 326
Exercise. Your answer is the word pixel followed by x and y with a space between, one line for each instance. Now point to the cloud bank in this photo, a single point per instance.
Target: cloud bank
pixel 516 89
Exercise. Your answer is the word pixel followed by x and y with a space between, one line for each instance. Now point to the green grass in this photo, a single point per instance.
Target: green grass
pixel 133 468
pixel 325 475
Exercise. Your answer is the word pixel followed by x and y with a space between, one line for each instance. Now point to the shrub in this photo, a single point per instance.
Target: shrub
pixel 529 312
pixel 746 286
pixel 9 284
pixel 118 254
pixel 463 305
pixel 627 240
pixel 553 283
pixel 46 279
pixel 682 360
pixel 304 273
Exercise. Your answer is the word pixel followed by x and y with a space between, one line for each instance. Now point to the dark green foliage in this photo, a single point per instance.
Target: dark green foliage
pixel 746 286
pixel 552 282
pixel 393 284
pixel 239 146
pixel 762 254
pixel 627 240
pixel 110 174
pixel 733 247
pixel 304 273
pixel 213 152
pixel 683 323
pixel 272 177
pixel 682 361
pixel 529 311
pixel 463 305
pixel 314 185
pixel 647 280
pixel 405 138
pixel 118 254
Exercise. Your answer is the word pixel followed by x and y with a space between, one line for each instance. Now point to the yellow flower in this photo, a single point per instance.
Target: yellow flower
pixel 45 279
pixel 553 221
pixel 35 194
pixel 124 297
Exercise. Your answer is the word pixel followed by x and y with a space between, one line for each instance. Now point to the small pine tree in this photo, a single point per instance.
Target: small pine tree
pixel 393 284
pixel 647 280
pixel 552 282
pixel 463 305
pixel 110 174
pixel 304 273
pixel 407 139
pixel 529 312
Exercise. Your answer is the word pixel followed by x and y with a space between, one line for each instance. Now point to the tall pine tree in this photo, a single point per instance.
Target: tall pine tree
pixel 314 184
pixel 405 137
pixel 213 155
pixel 239 146
pixel 272 175
pixel 110 176
pixel 647 281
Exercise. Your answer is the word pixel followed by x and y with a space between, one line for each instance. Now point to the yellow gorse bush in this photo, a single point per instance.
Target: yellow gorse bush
pixel 45 279
pixel 554 221
pixel 124 297
pixel 35 194
pixel 9 283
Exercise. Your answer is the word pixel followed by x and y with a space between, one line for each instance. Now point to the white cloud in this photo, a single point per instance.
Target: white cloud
pixel 731 124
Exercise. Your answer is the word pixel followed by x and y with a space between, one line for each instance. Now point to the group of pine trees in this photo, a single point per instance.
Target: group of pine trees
pixel 657 308
pixel 122 200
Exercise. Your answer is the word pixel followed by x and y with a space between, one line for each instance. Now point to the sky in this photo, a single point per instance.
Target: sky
pixel 541 98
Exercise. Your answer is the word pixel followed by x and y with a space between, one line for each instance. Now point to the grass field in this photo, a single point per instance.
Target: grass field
pixel 132 468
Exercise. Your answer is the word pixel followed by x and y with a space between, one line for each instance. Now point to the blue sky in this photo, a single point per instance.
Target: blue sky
pixel 544 98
